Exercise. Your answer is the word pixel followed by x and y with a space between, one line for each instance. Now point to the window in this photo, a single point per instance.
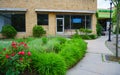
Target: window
pixel 77 21
pixel 42 19
pixel 88 21
pixel 16 20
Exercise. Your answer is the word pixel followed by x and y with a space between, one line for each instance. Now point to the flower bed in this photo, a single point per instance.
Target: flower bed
pixel 45 56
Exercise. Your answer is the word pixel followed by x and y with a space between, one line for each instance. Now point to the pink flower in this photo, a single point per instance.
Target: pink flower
pixel 21 53
pixel 4 49
pixel 7 56
pixel 14 45
pixel 29 53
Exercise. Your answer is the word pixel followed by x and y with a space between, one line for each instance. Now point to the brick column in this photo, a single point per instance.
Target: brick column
pixel 94 20
pixel 52 24
pixel 31 21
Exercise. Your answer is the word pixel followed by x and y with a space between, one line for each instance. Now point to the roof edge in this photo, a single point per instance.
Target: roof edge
pixel 68 11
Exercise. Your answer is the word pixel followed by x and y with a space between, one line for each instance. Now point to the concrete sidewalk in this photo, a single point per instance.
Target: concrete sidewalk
pixel 93 63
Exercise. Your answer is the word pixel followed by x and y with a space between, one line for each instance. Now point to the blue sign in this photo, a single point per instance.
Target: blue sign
pixel 76 20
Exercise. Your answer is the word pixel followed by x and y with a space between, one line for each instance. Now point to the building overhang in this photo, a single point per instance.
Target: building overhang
pixel 13 9
pixel 66 11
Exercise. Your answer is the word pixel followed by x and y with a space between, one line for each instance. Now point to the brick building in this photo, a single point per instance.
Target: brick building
pixel 56 16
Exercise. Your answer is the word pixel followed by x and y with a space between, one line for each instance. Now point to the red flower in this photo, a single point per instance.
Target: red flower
pixel 21 53
pixel 21 43
pixel 25 45
pixel 14 44
pixel 29 53
pixel 7 56
pixel 13 54
pixel 4 49
pixel 21 59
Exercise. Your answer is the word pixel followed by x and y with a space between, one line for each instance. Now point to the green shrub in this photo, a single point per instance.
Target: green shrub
pixel 44 40
pixel 48 64
pixel 72 51
pixel 88 31
pixel 88 37
pixel 85 37
pixel 38 31
pixel 47 44
pixel 26 40
pixel 93 36
pixel 85 30
pixel 61 40
pixel 57 47
pixel 82 30
pixel 99 29
pixel 8 31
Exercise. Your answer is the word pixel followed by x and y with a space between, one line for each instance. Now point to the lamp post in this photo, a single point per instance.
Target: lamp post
pixel 109 37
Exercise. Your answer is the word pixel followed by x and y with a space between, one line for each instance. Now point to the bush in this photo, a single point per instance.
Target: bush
pixel 72 51
pixel 61 40
pixel 15 59
pixel 44 40
pixel 48 64
pixel 8 31
pixel 38 31
pixel 85 30
pixel 86 37
pixel 93 36
pixel 99 29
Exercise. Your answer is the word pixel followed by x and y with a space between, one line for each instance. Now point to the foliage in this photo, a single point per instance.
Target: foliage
pixel 47 44
pixel 99 29
pixel 93 36
pixel 26 40
pixel 61 40
pixel 8 31
pixel 38 31
pixel 85 37
pixel 114 16
pixel 85 30
pixel 44 40
pixel 88 37
pixel 14 59
pixel 73 50
pixel 48 64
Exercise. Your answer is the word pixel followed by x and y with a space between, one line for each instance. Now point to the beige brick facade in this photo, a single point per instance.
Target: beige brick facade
pixel 31 14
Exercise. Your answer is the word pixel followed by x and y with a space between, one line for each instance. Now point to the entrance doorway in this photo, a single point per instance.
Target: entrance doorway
pixel 60 25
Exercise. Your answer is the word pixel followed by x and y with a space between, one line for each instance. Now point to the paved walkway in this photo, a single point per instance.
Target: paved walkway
pixel 93 63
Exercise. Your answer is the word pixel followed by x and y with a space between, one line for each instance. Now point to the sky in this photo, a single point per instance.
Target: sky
pixel 103 4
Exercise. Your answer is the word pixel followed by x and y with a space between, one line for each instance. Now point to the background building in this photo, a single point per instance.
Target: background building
pixel 56 16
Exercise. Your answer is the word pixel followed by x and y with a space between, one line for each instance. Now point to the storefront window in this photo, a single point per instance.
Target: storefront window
pixel 16 20
pixel 88 21
pixel 76 21
pixel 42 19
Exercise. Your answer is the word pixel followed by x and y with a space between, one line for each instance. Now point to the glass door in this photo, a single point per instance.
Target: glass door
pixel 60 25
